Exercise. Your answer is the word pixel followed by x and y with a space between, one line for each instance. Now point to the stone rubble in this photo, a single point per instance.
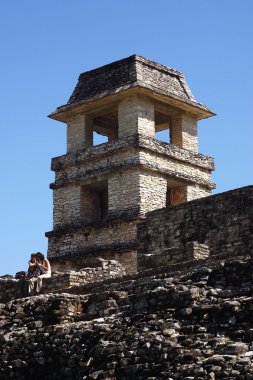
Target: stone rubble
pixel 167 326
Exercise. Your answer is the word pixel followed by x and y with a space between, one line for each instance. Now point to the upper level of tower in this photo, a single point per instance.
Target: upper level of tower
pixel 128 97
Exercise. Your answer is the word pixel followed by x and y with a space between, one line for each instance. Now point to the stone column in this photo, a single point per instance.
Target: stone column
pixel 79 133
pixel 196 192
pixel 153 188
pixel 113 135
pixel 67 205
pixel 183 132
pixel 123 191
pixel 136 115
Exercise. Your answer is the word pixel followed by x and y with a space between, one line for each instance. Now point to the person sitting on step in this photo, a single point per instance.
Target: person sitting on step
pixel 35 283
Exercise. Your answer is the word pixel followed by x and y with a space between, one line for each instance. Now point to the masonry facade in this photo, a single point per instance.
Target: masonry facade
pixel 217 225
pixel 102 192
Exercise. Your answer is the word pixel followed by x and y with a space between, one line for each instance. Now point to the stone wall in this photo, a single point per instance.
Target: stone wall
pixel 13 288
pixel 75 239
pixel 92 241
pixel 104 270
pixel 196 191
pixel 91 205
pixel 10 289
pixel 176 169
pixel 136 189
pixel 224 222
pixel 180 255
pixel 126 256
pixel 107 78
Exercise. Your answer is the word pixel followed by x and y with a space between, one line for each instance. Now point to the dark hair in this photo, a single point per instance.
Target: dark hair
pixel 40 255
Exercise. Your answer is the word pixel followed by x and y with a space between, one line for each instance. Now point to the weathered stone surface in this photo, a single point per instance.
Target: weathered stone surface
pixel 222 222
pixel 154 327
pixel 131 71
pixel 102 270
pixel 179 304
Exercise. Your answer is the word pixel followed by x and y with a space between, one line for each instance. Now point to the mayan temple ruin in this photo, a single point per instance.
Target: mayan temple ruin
pixel 152 275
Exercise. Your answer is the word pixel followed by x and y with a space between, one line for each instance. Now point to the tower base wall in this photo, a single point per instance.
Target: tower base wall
pixel 73 248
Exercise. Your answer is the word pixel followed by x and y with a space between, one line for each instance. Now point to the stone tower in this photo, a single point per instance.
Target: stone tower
pixel 101 192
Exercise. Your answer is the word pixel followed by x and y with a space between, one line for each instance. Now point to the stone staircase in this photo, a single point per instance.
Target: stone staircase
pixel 177 324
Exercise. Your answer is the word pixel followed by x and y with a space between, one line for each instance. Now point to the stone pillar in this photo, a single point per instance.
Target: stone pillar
pixel 136 191
pixel 153 189
pixel 123 191
pixel 79 133
pixel 113 135
pixel 183 132
pixel 67 205
pixel 196 192
pixel 136 115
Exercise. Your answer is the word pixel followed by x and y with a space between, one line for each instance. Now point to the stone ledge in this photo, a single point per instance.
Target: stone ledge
pixel 119 247
pixel 151 167
pixel 104 269
pixel 135 141
pixel 114 218
pixel 187 268
pixel 192 251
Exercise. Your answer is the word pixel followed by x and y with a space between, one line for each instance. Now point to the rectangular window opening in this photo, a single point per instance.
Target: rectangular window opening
pixel 94 202
pixel 163 135
pixel 175 195
pixel 162 124
pixel 99 139
pixel 105 126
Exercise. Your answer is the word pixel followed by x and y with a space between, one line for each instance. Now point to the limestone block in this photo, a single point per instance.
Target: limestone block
pixel 79 133
pixel 136 115
pixel 184 132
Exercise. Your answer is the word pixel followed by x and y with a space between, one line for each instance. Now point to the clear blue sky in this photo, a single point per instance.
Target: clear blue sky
pixel 45 45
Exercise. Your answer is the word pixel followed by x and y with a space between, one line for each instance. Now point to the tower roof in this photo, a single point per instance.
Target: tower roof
pixel 134 72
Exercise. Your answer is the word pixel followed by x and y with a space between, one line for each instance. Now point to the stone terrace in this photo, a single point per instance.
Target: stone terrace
pixel 180 319
pixel 195 325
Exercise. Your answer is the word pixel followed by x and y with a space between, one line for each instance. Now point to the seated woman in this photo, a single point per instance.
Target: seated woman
pixel 45 268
